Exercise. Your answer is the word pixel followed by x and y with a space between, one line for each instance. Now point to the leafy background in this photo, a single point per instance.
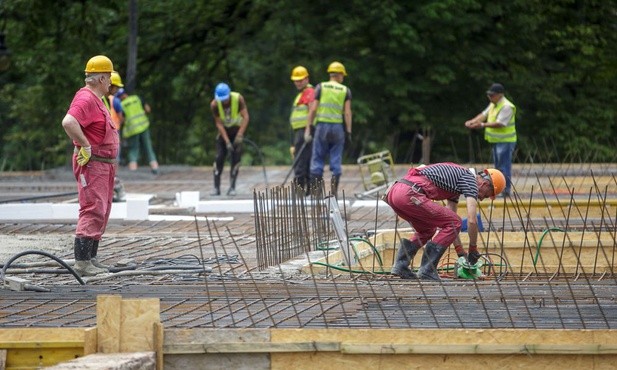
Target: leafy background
pixel 415 67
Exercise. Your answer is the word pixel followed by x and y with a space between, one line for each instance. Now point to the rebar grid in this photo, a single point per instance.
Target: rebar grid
pixel 229 289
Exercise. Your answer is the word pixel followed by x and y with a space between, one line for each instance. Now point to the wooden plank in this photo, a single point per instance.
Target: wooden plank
pixel 108 321
pixel 242 347
pixel 502 349
pixel 158 344
pixel 38 344
pixel 2 359
pixel 90 341
pixel 137 324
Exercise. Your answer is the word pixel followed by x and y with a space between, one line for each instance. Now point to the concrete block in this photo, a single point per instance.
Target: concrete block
pixel 225 206
pixel 111 361
pixel 187 199
pixel 136 209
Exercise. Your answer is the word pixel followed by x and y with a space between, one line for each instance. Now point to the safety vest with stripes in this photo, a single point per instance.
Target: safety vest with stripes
pixel 331 102
pixel 505 134
pixel 299 113
pixel 234 118
pixel 135 119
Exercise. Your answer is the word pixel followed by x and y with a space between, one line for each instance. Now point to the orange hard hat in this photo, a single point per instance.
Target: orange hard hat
pixel 497 180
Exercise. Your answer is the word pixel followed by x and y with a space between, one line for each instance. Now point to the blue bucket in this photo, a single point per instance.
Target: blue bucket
pixel 480 224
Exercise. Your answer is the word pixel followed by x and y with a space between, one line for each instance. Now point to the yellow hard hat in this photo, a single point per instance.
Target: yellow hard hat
pixel 115 79
pixel 99 64
pixel 337 67
pixel 299 73
pixel 497 179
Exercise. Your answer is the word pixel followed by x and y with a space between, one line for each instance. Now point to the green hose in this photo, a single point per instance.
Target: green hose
pixel 535 259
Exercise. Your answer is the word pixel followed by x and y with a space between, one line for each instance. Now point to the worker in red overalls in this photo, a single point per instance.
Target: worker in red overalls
pixel 88 123
pixel 412 199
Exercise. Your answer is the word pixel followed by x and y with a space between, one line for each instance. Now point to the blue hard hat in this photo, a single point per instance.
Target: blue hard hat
pixel 120 92
pixel 222 91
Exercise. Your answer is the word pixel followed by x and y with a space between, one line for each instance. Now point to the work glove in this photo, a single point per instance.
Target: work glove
pixel 230 146
pixel 473 257
pixel 292 151
pixel 307 137
pixel 238 140
pixel 84 154
pixel 347 138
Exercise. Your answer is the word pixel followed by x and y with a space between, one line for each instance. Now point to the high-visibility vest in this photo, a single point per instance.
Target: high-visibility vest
pixel 135 119
pixel 331 102
pixel 234 118
pixel 299 113
pixel 506 134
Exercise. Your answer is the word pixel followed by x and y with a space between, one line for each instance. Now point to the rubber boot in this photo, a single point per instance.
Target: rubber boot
pixel 217 182
pixel 93 254
pixel 334 181
pixel 316 186
pixel 406 252
pixel 119 193
pixel 232 180
pixel 300 184
pixel 430 259
pixel 83 264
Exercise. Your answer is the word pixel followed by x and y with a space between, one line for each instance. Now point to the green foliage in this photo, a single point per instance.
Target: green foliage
pixel 413 66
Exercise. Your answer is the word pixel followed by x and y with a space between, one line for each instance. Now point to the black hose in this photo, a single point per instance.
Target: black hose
pixel 261 158
pixel 6 265
pixel 20 200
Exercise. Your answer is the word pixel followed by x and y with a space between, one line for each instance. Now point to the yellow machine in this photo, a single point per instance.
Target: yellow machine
pixel 377 171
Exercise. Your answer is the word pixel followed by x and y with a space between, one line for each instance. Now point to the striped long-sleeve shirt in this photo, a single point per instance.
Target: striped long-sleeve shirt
pixel 452 177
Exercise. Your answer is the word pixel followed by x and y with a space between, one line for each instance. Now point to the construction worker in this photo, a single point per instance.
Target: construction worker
pixel 136 129
pixel 231 117
pixel 499 123
pixel 301 149
pixel 88 123
pixel 411 198
pixel 331 112
pixel 115 109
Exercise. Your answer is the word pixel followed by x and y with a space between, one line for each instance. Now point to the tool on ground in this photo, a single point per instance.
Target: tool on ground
pixel 377 171
pixel 464 270
pixel 295 162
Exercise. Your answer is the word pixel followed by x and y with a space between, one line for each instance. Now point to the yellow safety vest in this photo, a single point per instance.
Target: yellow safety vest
pixel 505 134
pixel 331 102
pixel 234 118
pixel 135 119
pixel 299 113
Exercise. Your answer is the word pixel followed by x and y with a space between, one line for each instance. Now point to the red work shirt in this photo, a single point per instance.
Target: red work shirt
pixel 92 115
pixel 308 95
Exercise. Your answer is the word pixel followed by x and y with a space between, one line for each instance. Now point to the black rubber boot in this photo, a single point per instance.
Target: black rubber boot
pixel 217 183
pixel 334 181
pixel 316 186
pixel 430 259
pixel 94 253
pixel 232 180
pixel 406 252
pixel 83 256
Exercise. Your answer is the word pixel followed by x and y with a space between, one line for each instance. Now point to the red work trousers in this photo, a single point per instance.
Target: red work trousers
pixel 424 215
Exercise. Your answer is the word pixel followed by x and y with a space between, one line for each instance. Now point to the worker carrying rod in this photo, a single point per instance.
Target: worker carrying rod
pixel 411 198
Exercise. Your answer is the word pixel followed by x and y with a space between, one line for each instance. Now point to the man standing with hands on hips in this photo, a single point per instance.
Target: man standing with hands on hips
pixel 88 123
